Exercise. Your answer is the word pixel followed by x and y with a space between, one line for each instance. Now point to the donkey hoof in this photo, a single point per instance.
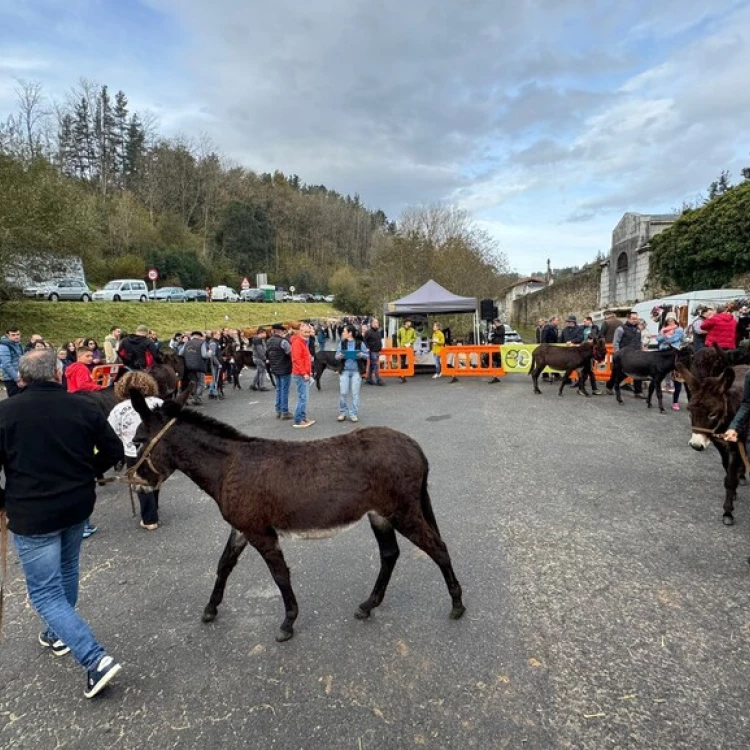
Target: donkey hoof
pixel 284 635
pixel 362 614
pixel 457 612
pixel 728 520
pixel 209 615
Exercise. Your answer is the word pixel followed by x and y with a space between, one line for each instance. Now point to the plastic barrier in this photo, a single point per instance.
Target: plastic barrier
pixel 517 358
pixel 104 375
pixel 396 362
pixel 472 361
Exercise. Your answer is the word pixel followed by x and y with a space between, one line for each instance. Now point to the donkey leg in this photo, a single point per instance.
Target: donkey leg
pixel 535 379
pixel 659 395
pixel 389 552
pixel 235 544
pixel 268 548
pixel 565 379
pixel 420 533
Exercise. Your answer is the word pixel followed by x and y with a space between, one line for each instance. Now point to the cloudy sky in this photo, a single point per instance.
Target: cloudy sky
pixel 546 119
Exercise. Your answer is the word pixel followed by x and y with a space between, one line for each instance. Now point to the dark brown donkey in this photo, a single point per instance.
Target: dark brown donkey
pixel 332 483
pixel 567 359
pixel 713 404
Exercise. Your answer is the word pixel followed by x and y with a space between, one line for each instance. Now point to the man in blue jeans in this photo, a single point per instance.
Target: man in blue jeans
pixel 53 444
pixel 279 358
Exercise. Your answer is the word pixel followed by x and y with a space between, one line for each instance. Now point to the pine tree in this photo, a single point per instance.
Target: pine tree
pixel 84 153
pixel 120 135
pixel 104 130
pixel 66 148
pixel 134 152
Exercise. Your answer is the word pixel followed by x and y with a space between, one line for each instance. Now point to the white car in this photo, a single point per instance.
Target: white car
pixel 224 294
pixel 122 290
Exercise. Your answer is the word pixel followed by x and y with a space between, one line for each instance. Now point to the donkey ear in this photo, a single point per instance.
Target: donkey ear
pixel 139 404
pixel 686 375
pixel 727 379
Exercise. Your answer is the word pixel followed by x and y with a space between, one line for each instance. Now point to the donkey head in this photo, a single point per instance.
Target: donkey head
pixel 600 349
pixel 153 461
pixel 709 405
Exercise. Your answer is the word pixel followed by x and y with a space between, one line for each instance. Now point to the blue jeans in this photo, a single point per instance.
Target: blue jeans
pixel 374 376
pixel 50 565
pixel 282 393
pixel 437 364
pixel 303 391
pixel 349 380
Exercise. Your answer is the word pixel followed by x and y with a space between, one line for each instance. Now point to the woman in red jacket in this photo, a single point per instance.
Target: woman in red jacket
pixel 720 329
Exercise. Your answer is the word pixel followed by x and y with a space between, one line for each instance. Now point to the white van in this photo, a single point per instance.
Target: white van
pixel 224 294
pixel 122 290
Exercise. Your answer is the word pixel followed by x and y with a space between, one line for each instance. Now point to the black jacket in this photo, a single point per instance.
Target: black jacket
pixel 571 335
pixel 497 336
pixel 374 339
pixel 549 334
pixel 279 356
pixel 47 442
pixel 132 351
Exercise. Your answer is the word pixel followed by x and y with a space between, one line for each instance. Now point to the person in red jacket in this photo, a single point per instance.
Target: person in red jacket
pixel 720 329
pixel 301 374
pixel 78 375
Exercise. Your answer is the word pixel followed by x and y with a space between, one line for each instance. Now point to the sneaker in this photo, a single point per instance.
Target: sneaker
pixel 596 393
pixel 57 647
pixel 354 419
pixel 287 415
pixel 306 423
pixel 341 417
pixel 675 407
pixel 278 415
pixel 435 376
pixel 99 677
pixel 88 530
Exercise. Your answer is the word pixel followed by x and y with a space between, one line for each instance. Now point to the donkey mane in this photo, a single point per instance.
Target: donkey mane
pixel 209 424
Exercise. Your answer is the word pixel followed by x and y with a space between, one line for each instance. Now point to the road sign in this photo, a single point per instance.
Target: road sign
pixel 292 289
pixel 245 283
pixel 153 274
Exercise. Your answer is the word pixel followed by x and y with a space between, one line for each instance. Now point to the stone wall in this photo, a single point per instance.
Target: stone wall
pixel 577 295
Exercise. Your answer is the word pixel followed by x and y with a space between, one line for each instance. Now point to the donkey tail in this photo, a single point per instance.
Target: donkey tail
pixel 426 505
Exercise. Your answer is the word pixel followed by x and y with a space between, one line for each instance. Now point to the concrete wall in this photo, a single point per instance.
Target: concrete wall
pixel 577 295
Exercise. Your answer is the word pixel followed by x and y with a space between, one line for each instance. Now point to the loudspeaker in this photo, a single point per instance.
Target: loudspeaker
pixel 495 312
pixel 487 309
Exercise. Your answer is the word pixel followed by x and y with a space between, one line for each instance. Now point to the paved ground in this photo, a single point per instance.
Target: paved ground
pixel 607 604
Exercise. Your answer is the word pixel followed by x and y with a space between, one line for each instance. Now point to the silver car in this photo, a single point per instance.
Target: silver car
pixel 61 289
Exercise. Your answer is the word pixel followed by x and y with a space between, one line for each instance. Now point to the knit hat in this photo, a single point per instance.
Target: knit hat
pixel 571 319
pixel 670 316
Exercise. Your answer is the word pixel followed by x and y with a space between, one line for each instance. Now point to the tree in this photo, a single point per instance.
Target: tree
pixel 706 247
pixel 720 186
pixel 245 237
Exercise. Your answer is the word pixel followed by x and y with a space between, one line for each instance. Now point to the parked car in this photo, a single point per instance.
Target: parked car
pixel 223 293
pixel 122 290
pixel 288 297
pixel 61 289
pixel 196 295
pixel 169 294
pixel 512 337
pixel 328 298
pixel 252 295
pixel 317 297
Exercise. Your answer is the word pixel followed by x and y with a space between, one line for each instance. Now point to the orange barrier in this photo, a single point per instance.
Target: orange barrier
pixel 396 362
pixel 471 361
pixel 603 370
pixel 104 375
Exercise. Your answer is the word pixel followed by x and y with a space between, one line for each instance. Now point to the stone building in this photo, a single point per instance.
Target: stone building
pixel 625 273
pixel 520 289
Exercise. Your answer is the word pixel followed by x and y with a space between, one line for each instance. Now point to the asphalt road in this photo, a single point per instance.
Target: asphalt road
pixel 607 605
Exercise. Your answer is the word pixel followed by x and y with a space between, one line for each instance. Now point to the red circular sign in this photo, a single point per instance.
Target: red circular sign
pixel 153 274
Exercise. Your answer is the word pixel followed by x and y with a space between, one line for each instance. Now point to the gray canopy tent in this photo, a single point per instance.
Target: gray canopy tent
pixel 432 299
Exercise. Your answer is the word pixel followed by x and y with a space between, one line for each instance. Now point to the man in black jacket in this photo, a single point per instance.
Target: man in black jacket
pixel 52 446
pixel 373 339
pixel 138 351
pixel 194 352
pixel 279 357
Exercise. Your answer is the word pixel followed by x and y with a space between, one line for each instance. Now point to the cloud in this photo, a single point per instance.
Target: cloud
pixel 548 119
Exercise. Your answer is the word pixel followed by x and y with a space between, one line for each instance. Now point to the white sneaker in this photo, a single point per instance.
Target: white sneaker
pixel 354 419
pixel 435 376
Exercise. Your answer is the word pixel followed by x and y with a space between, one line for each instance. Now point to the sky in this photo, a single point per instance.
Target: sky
pixel 547 120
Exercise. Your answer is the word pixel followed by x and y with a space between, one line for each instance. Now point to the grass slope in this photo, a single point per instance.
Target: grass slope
pixel 64 321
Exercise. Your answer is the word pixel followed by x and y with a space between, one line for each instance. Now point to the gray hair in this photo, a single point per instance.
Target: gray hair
pixel 38 366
